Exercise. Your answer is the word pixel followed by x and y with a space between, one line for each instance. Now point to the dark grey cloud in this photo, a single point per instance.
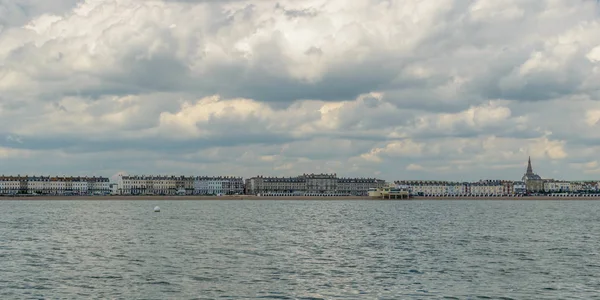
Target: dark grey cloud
pixel 457 89
pixel 172 147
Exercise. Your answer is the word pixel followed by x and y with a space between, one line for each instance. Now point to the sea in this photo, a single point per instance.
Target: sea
pixel 472 249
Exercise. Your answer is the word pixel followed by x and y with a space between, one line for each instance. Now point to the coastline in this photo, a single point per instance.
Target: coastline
pixel 182 198
pixel 524 198
pixel 252 197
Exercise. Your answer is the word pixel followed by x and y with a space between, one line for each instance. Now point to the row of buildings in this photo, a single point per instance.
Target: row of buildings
pixel 54 185
pixel 301 185
pixel 536 184
pixel 311 185
pixel 306 184
pixel 449 188
pixel 179 185
pixel 495 187
pixel 530 184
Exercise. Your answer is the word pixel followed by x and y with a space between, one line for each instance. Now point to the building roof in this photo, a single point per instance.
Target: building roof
pixel 529 175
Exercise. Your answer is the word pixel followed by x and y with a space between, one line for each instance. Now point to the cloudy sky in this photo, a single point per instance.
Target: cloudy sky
pixel 412 89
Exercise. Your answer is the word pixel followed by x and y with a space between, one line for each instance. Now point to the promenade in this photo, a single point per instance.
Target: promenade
pixel 183 198
pixel 252 197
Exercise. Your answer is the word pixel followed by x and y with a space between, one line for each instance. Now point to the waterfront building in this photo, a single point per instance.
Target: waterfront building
pixel 534 182
pixel 584 187
pixel 80 187
pixel 97 185
pixel 21 187
pixel 557 186
pixel 38 185
pixel 474 189
pixel 219 185
pixel 507 187
pixel 56 186
pixel 594 186
pixel 53 185
pixel 189 185
pixel 358 186
pixel 519 188
pixel 154 185
pixel 311 185
pixel 487 188
pixel 390 191
pixel 68 186
pixel 184 185
pixel 277 185
pixel 114 188
pixel 9 185
pixel 456 188
pixel 575 186
pixel 320 183
pixel 433 187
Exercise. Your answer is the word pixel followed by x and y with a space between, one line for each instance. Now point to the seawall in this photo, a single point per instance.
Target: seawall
pixel 251 197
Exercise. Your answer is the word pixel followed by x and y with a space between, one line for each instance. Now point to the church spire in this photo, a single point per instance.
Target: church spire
pixel 529 168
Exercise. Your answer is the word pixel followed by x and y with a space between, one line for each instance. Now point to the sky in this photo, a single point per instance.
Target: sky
pixel 413 89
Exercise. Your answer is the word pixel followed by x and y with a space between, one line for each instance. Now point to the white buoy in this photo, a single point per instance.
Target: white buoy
pixel 157 209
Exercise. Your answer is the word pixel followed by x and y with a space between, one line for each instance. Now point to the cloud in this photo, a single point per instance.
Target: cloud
pixel 17 13
pixel 396 89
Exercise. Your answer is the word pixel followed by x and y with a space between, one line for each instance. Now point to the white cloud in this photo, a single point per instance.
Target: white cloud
pixel 414 167
pixel 9 153
pixel 592 117
pixel 388 88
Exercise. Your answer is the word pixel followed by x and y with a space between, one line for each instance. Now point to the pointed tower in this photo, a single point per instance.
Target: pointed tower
pixel 529 168
pixel 533 182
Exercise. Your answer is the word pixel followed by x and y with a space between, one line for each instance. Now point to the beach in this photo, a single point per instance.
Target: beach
pixel 253 197
pixel 191 197
pixel 525 198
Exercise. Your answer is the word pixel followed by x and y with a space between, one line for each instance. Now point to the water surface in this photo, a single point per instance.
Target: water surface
pixel 299 249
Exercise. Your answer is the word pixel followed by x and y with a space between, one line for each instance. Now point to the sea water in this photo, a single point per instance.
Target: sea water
pixel 299 249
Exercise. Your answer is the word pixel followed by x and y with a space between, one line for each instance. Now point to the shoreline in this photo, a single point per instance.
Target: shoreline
pixel 182 198
pixel 524 198
pixel 252 197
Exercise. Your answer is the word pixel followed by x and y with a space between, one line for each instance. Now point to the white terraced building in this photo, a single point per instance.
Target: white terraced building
pixel 155 185
pixel 218 185
pixel 98 185
pixel 584 186
pixel 486 189
pixel 9 186
pixel 433 188
pixel 57 185
pixel 554 186
pixel 80 187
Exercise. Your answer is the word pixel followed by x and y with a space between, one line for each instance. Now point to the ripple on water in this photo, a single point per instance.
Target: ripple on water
pixel 299 250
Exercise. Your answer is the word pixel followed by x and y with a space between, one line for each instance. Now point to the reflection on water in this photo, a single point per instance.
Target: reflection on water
pixel 299 249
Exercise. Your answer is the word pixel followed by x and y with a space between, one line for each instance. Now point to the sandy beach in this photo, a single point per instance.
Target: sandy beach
pixel 525 198
pixel 196 198
pixel 251 197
